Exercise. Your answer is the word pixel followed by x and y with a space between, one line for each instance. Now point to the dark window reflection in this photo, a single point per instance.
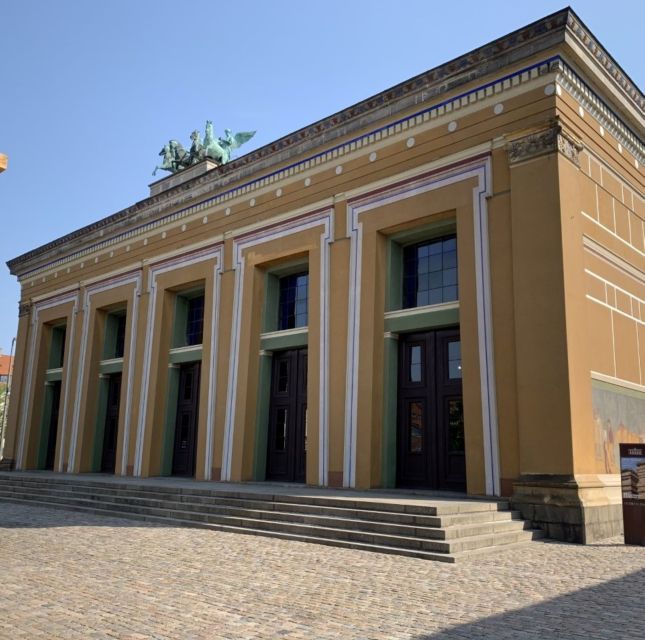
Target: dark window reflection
pixel 195 321
pixel 120 337
pixel 294 295
pixel 430 273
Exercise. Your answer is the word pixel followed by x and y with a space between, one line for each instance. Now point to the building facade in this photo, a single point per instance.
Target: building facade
pixel 440 287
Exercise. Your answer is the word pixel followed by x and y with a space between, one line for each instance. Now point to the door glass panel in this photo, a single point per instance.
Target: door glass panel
pixel 281 430
pixel 283 376
pixel 456 425
pixel 415 418
pixel 415 363
pixel 454 360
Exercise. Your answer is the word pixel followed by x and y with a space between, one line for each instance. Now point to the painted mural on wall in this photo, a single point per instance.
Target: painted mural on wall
pixel 619 416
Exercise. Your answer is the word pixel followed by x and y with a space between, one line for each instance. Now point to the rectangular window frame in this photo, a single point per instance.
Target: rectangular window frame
pixel 293 306
pixel 423 284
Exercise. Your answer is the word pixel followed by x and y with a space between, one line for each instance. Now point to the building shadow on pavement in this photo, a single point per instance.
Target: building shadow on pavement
pixel 614 609
pixel 31 516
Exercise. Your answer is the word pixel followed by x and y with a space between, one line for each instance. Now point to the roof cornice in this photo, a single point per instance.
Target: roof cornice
pixel 484 61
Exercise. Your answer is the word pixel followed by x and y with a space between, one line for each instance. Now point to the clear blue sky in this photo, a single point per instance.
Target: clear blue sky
pixel 90 91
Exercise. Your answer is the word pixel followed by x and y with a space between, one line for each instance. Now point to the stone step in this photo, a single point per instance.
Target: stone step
pixel 345 521
pixel 441 506
pixel 435 550
pixel 277 505
pixel 333 529
pixel 440 557
pixel 429 527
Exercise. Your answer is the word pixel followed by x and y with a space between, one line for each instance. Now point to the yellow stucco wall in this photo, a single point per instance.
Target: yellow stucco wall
pixel 554 302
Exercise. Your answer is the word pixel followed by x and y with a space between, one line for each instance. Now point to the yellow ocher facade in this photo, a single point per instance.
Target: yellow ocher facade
pixel 532 162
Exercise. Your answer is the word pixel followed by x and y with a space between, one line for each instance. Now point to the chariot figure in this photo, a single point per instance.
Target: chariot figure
pixel 167 163
pixel 176 158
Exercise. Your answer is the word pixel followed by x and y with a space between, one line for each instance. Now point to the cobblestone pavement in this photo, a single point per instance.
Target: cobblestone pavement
pixel 70 575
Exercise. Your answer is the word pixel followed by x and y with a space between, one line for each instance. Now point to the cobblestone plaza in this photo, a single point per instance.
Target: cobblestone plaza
pixel 68 575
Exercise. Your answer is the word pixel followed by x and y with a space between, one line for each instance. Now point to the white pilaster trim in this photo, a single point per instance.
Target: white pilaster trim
pixel 156 269
pixel 28 392
pixel 127 420
pixel 90 291
pixel 485 329
pixel 212 387
pixel 311 220
pixel 480 168
pixel 323 392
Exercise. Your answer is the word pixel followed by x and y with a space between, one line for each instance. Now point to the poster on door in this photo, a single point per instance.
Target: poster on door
pixel 632 471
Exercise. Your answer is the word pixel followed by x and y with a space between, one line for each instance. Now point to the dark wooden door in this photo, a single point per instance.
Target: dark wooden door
pixel 430 429
pixel 183 460
pixel 111 430
pixel 52 430
pixel 287 437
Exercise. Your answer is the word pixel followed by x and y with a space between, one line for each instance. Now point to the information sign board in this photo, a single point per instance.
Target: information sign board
pixel 632 471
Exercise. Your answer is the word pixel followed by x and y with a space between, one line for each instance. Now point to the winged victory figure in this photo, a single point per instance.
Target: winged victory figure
pixel 220 149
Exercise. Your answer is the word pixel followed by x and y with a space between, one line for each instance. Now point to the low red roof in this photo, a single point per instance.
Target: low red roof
pixel 5 362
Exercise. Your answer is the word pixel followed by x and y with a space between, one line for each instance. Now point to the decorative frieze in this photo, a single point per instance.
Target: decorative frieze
pixel 592 103
pixel 604 59
pixel 569 147
pixel 543 142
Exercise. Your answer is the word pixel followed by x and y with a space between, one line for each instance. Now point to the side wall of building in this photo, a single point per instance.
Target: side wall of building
pixel 603 290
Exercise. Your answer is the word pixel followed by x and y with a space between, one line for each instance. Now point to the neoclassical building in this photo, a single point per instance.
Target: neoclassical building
pixel 440 287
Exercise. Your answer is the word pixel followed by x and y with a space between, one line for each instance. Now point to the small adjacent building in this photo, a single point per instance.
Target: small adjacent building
pixel 6 367
pixel 440 287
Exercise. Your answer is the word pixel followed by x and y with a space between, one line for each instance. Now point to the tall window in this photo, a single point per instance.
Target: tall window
pixel 294 295
pixel 430 272
pixel 195 320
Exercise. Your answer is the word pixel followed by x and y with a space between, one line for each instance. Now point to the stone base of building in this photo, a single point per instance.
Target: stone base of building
pixel 581 509
pixel 7 464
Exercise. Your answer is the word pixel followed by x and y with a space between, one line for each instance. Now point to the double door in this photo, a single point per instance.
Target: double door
pixel 185 444
pixel 287 436
pixel 430 422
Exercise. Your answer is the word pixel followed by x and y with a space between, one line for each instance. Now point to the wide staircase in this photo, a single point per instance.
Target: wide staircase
pixel 433 528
